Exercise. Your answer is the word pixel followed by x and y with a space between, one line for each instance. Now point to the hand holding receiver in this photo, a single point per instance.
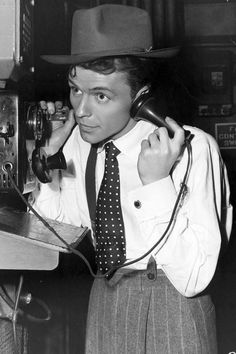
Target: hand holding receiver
pixel 146 107
pixel 162 148
pixel 159 152
pixel 61 126
pixel 48 154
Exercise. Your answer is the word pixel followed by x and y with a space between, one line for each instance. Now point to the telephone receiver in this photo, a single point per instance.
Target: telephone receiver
pixel 146 107
pixel 43 164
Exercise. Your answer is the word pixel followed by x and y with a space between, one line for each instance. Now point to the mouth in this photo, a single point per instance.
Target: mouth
pixel 88 128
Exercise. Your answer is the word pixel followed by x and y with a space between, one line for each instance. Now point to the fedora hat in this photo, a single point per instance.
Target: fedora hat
pixel 110 30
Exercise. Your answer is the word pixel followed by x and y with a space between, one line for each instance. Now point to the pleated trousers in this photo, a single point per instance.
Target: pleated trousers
pixel 140 312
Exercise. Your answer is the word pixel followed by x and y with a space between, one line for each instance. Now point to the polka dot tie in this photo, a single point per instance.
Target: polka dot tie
pixel 110 235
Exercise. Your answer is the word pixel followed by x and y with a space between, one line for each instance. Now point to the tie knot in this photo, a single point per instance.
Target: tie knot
pixel 111 150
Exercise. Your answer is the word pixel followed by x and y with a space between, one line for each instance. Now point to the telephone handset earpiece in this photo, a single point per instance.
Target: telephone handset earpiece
pixel 146 107
pixel 43 164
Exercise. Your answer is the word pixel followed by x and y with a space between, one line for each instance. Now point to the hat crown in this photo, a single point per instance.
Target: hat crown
pixel 110 27
pixel 110 30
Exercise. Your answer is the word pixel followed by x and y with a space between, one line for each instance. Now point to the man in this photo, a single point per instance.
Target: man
pixel 158 303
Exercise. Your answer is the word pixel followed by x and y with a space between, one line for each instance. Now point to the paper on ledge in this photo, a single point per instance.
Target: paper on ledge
pixel 28 228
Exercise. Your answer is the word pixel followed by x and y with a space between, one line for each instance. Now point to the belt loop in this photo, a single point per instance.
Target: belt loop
pixel 152 269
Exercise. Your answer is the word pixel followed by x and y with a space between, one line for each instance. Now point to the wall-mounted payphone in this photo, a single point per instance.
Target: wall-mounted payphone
pixel 16 64
pixel 24 126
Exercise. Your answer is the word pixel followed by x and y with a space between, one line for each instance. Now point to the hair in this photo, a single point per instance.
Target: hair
pixel 164 77
pixel 139 71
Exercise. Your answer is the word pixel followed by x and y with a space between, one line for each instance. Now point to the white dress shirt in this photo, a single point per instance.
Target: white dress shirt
pixel 189 253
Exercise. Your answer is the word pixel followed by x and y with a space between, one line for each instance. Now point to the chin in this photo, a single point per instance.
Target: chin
pixel 91 139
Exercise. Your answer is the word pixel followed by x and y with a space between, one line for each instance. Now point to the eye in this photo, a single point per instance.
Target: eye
pixel 75 90
pixel 102 98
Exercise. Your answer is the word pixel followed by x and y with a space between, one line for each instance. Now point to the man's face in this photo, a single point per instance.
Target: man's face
pixel 101 104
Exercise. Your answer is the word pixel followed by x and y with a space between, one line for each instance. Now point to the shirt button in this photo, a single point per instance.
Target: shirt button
pixel 137 204
pixel 151 276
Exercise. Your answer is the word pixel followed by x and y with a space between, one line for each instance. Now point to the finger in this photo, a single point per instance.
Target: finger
pixel 51 107
pixel 70 122
pixel 43 104
pixel 159 135
pixel 67 124
pixel 153 138
pixel 156 131
pixel 145 145
pixel 56 124
pixel 172 123
pixel 179 135
pixel 58 104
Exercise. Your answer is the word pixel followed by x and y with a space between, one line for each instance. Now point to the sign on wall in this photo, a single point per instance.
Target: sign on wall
pixel 225 134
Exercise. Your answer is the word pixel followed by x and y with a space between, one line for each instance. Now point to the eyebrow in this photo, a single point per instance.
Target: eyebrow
pixel 97 88
pixel 100 88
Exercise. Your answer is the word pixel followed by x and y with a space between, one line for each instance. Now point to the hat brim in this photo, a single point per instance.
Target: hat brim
pixel 163 53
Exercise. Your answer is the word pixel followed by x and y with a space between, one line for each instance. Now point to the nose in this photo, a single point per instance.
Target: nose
pixel 83 109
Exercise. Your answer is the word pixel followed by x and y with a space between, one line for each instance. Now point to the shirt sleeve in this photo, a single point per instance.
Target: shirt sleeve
pixel 45 199
pixel 58 199
pixel 189 252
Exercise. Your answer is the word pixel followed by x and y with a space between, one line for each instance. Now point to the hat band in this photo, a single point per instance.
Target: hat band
pixel 118 50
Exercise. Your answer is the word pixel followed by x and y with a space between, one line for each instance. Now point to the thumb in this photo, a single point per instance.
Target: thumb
pixel 70 122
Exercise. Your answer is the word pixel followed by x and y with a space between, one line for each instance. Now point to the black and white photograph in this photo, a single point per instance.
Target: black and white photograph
pixel 117 176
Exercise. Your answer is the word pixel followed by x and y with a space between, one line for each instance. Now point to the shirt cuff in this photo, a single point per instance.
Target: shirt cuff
pixel 153 200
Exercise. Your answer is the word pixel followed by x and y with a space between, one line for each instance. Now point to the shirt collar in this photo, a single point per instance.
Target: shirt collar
pixel 129 144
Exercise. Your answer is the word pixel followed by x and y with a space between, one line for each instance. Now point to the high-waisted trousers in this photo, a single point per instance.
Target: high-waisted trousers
pixel 140 312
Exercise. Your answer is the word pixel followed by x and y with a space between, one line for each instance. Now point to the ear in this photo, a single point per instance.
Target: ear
pixel 144 89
